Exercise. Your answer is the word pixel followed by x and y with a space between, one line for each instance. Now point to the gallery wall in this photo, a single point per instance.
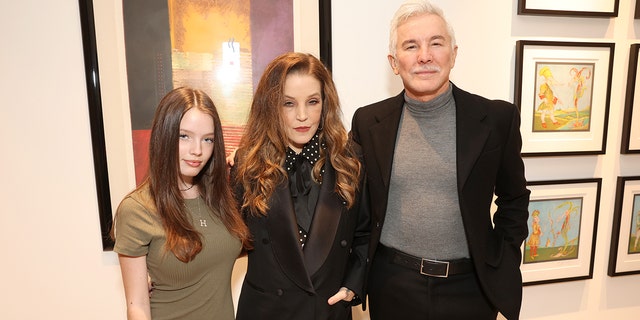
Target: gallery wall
pixel 53 264
pixel 486 34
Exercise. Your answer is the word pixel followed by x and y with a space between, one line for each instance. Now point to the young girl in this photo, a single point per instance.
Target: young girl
pixel 181 227
pixel 299 181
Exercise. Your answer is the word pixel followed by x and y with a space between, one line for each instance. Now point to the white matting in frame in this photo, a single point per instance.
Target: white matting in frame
pixel 563 91
pixel 604 8
pixel 624 256
pixel 562 227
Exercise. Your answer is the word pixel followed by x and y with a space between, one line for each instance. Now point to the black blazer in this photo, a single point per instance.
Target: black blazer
pixel 488 144
pixel 282 282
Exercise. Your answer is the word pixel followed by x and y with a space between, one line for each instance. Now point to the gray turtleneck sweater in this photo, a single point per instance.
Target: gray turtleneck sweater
pixel 423 214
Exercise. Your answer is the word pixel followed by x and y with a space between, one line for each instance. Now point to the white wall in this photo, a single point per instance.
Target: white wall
pixel 52 263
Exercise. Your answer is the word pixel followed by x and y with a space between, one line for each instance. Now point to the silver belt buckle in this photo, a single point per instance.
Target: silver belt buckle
pixel 446 273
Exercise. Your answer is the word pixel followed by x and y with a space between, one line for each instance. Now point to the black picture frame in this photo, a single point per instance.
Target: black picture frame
pixel 624 257
pixel 551 266
pixel 580 9
pixel 94 102
pixel 589 139
pixel 631 120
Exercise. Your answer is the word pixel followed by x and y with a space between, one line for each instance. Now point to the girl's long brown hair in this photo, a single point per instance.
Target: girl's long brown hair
pixel 183 240
pixel 263 146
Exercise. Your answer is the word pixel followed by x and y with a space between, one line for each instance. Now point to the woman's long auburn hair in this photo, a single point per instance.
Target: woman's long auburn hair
pixel 183 240
pixel 264 144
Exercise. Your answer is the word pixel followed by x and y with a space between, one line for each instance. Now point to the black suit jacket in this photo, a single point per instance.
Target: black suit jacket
pixel 488 144
pixel 282 282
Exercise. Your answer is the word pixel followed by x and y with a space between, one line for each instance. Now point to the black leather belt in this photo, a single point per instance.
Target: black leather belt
pixel 427 267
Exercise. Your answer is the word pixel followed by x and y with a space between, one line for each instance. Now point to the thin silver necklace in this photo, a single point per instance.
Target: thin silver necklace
pixel 203 220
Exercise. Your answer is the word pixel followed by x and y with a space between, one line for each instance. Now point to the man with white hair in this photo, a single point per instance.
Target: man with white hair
pixel 435 156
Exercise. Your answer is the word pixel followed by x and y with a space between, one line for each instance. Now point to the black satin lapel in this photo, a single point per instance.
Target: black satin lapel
pixel 283 232
pixel 471 136
pixel 383 135
pixel 324 226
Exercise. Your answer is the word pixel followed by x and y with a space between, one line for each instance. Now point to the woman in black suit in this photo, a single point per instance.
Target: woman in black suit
pixel 299 180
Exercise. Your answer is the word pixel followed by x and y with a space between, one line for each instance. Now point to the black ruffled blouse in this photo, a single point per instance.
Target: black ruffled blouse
pixel 304 190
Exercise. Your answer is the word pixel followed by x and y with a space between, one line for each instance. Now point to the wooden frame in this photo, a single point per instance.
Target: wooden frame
pixel 111 141
pixel 580 8
pixel 563 216
pixel 563 91
pixel 624 254
pixel 631 125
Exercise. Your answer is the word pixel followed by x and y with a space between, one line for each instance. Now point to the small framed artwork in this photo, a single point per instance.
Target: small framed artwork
pixel 631 125
pixel 624 256
pixel 563 91
pixel 563 215
pixel 584 8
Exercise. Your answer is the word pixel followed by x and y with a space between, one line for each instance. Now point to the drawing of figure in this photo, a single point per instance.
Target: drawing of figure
pixel 578 78
pixel 564 229
pixel 549 99
pixel 534 238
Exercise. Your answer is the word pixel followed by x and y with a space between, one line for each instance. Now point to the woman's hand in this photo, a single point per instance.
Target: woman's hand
pixel 342 294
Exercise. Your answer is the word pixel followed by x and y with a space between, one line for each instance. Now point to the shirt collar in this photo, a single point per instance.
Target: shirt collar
pixel 310 152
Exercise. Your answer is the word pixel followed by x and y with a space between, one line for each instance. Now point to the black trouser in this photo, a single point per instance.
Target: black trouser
pixel 400 293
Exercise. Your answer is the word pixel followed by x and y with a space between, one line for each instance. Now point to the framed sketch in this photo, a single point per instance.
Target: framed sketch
pixel 563 215
pixel 137 51
pixel 563 91
pixel 631 125
pixel 584 8
pixel 624 255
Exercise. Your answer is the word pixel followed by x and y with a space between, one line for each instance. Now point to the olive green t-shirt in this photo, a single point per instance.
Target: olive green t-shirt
pixel 199 289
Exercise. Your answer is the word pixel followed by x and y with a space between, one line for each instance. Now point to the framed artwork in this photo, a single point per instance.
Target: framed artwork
pixel 624 255
pixel 563 91
pixel 137 51
pixel 637 12
pixel 584 8
pixel 563 215
pixel 631 125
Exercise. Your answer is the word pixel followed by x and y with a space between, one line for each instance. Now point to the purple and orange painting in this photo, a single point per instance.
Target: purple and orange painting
pixel 220 47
